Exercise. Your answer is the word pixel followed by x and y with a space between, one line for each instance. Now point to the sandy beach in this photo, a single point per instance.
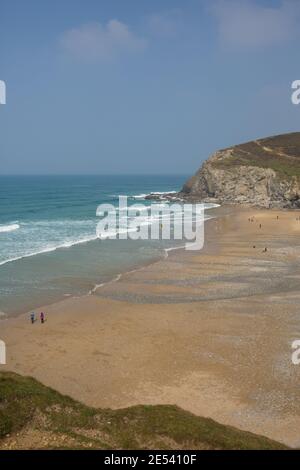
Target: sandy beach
pixel 210 331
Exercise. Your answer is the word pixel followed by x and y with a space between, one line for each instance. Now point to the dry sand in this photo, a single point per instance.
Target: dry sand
pixel 210 331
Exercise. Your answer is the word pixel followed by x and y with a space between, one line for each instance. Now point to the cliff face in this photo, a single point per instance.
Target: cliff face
pixel 264 172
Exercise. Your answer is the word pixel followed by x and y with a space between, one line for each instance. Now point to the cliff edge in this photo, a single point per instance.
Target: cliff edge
pixel 33 416
pixel 264 172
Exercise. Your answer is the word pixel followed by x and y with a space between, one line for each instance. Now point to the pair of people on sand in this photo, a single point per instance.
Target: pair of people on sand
pixel 42 317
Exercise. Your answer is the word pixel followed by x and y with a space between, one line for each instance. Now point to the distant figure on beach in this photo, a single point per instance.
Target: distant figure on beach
pixel 42 316
pixel 277 217
pixel 32 317
pixel 259 225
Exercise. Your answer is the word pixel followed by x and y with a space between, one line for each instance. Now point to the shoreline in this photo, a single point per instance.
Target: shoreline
pixel 164 253
pixel 209 331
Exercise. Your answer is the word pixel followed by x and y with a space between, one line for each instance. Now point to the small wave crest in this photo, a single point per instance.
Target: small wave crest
pixel 154 193
pixel 142 195
pixel 9 228
pixel 48 249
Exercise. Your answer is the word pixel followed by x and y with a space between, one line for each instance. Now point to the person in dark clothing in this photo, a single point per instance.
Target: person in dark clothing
pixel 42 316
pixel 32 317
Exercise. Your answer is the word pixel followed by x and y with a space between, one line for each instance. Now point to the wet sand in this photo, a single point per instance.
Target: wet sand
pixel 210 331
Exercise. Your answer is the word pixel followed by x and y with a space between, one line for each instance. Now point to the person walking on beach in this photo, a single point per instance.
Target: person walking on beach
pixel 42 316
pixel 32 317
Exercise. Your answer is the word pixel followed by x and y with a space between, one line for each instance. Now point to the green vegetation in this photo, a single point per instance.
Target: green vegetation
pixel 280 153
pixel 35 416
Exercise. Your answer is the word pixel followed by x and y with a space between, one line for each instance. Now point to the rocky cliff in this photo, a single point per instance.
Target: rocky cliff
pixel 263 172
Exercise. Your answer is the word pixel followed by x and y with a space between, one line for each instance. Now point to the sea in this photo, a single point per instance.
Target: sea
pixel 49 248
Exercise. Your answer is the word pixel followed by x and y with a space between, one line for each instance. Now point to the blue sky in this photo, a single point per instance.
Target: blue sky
pixel 141 86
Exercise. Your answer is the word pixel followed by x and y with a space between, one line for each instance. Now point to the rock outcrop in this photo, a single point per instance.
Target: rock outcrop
pixel 263 173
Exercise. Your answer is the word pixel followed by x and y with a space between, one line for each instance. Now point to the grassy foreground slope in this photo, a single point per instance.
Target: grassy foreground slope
pixel 35 416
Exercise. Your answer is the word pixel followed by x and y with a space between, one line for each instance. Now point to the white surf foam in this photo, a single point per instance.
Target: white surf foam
pixel 9 228
pixel 49 249
pixel 139 196
pixel 97 286
pixel 155 193
pixel 161 193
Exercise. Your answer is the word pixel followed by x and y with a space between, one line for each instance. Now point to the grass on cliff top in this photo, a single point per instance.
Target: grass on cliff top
pixel 280 153
pixel 32 411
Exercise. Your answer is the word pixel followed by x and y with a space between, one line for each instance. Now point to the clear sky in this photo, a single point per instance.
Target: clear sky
pixel 140 86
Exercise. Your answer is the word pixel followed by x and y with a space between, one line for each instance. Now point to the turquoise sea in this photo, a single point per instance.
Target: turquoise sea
pixel 48 244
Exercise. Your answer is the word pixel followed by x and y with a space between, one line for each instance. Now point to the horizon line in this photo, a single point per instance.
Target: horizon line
pixel 94 174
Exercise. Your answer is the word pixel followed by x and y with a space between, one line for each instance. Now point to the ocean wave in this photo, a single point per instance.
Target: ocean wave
pixel 155 193
pixel 138 196
pixel 111 234
pixel 142 195
pixel 49 249
pixel 69 242
pixel 161 193
pixel 58 223
pixel 129 196
pixel 9 228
